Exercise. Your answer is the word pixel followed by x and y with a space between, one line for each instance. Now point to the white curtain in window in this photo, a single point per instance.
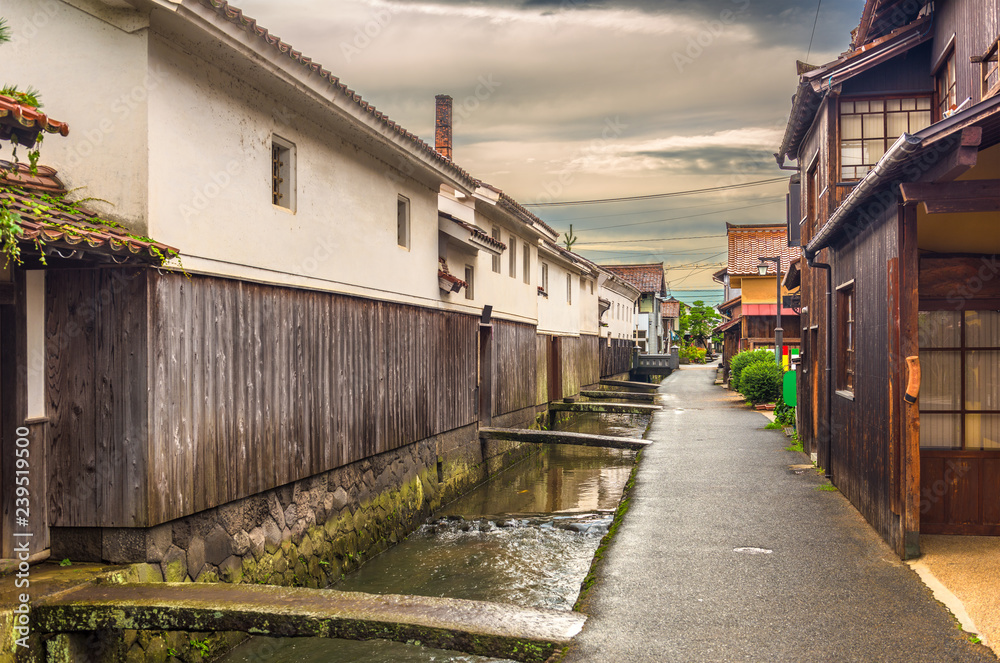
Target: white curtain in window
pixel 939 430
pixel 982 431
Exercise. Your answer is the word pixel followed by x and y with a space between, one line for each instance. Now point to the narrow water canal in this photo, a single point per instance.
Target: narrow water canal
pixel 526 537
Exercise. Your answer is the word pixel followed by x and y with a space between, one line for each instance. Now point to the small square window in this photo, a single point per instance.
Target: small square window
pixel 470 279
pixel 282 173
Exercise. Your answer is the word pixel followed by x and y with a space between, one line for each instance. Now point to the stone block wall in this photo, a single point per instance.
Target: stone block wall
pixel 307 533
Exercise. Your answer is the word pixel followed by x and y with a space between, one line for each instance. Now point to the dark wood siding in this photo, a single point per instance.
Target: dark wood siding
pixel 976 25
pixel 96 329
pixel 514 355
pixel 580 363
pixel 860 431
pixel 249 387
pixel 615 356
pixel 909 72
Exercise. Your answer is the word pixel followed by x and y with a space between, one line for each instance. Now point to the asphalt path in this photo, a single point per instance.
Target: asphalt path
pixel 688 578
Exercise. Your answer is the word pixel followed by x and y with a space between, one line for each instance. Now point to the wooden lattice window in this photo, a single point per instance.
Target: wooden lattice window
pixel 868 127
pixel 960 385
pixel 282 173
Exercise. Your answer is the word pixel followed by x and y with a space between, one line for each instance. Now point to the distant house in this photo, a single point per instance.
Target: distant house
pixel 752 313
pixel 897 143
pixel 649 279
pixel 670 314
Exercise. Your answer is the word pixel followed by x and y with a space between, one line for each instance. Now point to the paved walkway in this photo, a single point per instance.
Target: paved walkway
pixel 673 586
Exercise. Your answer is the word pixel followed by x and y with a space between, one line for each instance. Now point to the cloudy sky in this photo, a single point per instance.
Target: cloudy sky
pixel 564 100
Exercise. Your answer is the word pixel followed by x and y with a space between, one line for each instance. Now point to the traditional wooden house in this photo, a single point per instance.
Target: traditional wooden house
pixel 649 278
pixel 335 333
pixel 752 313
pixel 897 143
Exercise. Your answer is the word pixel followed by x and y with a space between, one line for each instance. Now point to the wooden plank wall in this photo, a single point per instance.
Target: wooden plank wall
pixel 860 436
pixel 514 354
pixel 95 332
pixel 580 363
pixel 543 345
pixel 762 326
pixel 249 387
pixel 256 386
pixel 616 356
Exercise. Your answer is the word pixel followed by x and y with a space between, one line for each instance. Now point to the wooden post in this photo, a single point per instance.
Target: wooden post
pixel 909 346
pixel 485 375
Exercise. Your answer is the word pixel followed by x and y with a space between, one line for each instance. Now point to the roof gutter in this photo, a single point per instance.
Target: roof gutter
pixel 877 177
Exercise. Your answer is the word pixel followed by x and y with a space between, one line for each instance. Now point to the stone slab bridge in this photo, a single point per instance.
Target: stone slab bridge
pixel 473 627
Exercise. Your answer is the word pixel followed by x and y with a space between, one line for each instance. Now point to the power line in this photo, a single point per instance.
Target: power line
pixel 645 211
pixel 652 196
pixel 815 20
pixel 686 216
pixel 647 239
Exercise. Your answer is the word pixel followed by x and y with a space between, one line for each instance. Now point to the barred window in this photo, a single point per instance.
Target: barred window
pixel 869 126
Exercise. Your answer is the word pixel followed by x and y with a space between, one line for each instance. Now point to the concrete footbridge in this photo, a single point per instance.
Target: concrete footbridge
pixel 474 627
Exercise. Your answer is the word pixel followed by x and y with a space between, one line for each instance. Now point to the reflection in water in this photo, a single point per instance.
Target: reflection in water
pixel 526 537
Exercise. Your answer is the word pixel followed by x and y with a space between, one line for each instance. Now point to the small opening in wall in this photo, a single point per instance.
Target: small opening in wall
pixel 440 470
pixel 283 173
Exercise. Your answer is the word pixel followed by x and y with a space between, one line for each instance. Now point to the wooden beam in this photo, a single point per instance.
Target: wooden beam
pixel 475 627
pixel 909 440
pixel 953 197
pixel 624 395
pixel 958 160
pixel 631 385
pixel 562 437
pixel 616 408
pixel 959 278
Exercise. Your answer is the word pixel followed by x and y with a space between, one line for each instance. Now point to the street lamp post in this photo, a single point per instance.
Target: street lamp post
pixel 778 331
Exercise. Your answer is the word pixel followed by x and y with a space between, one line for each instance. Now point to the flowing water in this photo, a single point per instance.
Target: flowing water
pixel 525 537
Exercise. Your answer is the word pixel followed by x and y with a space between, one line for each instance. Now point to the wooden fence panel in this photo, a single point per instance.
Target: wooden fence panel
pixel 514 355
pixel 616 356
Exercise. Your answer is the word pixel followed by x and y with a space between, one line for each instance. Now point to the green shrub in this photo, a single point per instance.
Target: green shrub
pixel 784 414
pixel 695 355
pixel 760 382
pixel 744 359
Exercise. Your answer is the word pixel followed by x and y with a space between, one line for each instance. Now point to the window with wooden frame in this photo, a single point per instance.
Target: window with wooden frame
pixel 496 259
pixel 512 262
pixel 960 380
pixel 990 70
pixel 403 222
pixel 812 201
pixel 569 288
pixel 846 334
pixel 282 173
pixel 545 277
pixel 470 280
pixel 946 88
pixel 526 267
pixel 868 127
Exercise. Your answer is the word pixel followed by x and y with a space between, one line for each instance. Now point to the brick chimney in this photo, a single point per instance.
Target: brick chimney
pixel 442 125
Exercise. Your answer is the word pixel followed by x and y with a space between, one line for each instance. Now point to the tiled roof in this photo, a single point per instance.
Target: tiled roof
pixel 517 208
pixel 647 277
pixel 28 117
pixel 670 309
pixel 236 16
pixel 480 234
pixel 48 219
pixel 748 243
